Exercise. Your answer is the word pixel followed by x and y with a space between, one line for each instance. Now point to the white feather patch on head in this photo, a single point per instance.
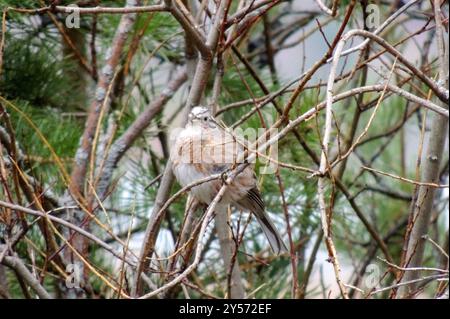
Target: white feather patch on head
pixel 198 111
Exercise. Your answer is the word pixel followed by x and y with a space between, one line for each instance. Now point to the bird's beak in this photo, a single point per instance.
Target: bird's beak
pixel 213 120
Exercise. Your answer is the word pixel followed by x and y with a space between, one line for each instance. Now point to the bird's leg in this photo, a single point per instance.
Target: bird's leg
pixel 224 177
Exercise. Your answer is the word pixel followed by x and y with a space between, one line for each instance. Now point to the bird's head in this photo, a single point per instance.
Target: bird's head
pixel 201 116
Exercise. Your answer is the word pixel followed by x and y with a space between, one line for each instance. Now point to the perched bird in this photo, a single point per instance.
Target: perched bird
pixel 203 148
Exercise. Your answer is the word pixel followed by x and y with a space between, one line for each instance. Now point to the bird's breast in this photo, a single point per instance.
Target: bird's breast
pixel 198 154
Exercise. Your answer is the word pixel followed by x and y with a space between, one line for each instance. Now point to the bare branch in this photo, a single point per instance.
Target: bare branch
pixel 17 265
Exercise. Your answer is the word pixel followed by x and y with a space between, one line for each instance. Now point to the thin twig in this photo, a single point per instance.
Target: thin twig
pixel 403 179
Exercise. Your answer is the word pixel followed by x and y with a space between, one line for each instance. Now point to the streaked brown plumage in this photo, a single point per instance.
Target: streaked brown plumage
pixel 202 149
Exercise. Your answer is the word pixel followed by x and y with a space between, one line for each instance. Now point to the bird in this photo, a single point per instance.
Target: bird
pixel 204 148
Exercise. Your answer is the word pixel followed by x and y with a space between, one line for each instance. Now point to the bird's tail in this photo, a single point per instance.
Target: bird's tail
pixel 254 203
pixel 273 236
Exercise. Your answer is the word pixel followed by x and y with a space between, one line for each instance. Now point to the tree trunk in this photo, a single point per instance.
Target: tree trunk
pixel 436 144
pixel 236 289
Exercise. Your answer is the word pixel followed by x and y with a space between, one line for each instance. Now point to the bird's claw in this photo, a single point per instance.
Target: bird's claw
pixel 224 177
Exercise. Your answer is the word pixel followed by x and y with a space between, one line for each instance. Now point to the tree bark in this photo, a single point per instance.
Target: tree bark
pixel 236 288
pixel 436 144
pixel 4 290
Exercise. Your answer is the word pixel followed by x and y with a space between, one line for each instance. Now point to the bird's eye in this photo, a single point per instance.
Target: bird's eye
pixel 205 119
